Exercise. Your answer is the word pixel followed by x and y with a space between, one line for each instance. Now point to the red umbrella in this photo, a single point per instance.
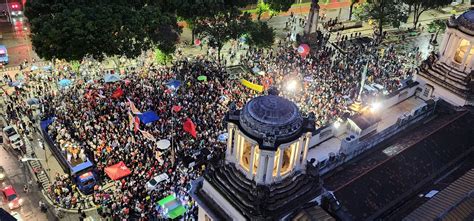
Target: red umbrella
pixel 117 171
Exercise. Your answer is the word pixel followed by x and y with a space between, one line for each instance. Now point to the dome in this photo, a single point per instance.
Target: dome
pixel 271 116
pixel 465 22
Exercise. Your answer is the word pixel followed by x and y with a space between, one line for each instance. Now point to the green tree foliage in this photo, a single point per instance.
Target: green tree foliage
pixel 279 5
pixel 260 35
pixel 382 12
pixel 73 29
pixel 420 6
pixel 351 8
pixel 437 25
pixel 223 26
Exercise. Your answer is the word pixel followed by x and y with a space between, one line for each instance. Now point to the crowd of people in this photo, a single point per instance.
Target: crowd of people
pixel 324 82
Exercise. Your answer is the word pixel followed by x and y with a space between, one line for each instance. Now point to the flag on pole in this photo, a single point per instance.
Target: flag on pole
pixel 148 135
pixel 176 108
pixel 130 121
pixel 133 108
pixel 117 93
pixel 189 127
pixel 137 124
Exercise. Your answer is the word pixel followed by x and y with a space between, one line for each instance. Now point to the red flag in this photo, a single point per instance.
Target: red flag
pixel 189 127
pixel 117 93
pixel 137 123
pixel 176 108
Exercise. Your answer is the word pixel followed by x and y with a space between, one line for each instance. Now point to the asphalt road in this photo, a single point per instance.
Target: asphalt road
pixel 17 178
pixel 15 38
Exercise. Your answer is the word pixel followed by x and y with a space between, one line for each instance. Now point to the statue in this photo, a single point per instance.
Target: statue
pixel 313 18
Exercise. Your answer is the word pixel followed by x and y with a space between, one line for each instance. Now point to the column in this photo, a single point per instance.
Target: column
pixel 270 164
pixel 252 156
pixel 443 47
pixel 261 167
pixel 230 148
pixel 236 152
pixel 280 162
pixel 298 152
pixel 306 147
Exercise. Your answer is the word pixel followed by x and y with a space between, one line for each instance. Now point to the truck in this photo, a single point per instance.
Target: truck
pixel 81 170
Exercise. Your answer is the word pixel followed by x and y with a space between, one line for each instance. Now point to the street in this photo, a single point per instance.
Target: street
pixel 16 177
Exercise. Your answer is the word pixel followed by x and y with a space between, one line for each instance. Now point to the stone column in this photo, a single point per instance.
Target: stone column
pixel 237 146
pixel 311 23
pixel 298 153
pixel 230 148
pixel 453 46
pixel 443 47
pixel 252 156
pixel 306 147
pixel 261 167
pixel 270 165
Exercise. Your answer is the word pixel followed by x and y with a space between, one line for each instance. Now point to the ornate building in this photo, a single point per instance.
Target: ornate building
pixel 450 74
pixel 264 175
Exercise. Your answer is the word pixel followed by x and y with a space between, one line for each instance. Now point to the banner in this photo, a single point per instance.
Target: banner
pixel 133 108
pixel 148 135
pixel 189 127
pixel 130 120
pixel 137 124
pixel 255 87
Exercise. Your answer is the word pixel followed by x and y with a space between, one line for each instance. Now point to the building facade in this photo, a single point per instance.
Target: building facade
pixel 449 74
pixel 264 174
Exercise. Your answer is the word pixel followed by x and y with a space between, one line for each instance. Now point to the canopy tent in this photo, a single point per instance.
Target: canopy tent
pixel 202 78
pixel 173 84
pixel 34 68
pixel 32 101
pixel 223 137
pixel 172 207
pixel 163 144
pixel 148 117
pixel 117 171
pixel 108 78
pixel 64 82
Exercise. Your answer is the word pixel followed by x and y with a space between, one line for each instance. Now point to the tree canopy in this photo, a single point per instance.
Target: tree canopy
pixel 261 35
pixel 223 26
pixel 73 29
pixel 382 12
pixel 420 6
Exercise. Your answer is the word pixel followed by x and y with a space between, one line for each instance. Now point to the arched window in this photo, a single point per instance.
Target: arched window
pixel 286 162
pixel 462 50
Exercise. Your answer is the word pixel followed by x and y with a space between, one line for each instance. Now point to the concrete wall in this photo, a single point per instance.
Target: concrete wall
pixel 221 201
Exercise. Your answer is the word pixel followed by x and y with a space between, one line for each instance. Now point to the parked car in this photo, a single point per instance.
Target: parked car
pixel 11 197
pixel 2 174
pixel 153 183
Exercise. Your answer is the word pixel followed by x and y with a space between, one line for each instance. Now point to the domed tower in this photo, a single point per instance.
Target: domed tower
pixel 450 74
pixel 265 174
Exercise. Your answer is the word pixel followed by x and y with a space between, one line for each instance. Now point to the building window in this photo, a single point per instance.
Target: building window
pixel 286 162
pixel 245 155
pixel 462 50
pixel 255 160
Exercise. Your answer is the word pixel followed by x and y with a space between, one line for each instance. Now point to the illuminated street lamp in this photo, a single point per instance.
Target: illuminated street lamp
pixel 291 86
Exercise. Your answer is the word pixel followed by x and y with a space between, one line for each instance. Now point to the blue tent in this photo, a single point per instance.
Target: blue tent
pixel 64 82
pixel 47 68
pixel 32 101
pixel 34 68
pixel 174 84
pixel 111 78
pixel 148 117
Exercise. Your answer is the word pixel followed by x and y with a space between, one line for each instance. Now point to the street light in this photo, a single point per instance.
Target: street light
pixel 291 86
pixel 374 107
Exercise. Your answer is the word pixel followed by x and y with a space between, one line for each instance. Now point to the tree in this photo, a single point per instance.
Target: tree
pixel 420 6
pixel 279 5
pixel 223 26
pixel 73 29
pixel 353 2
pixel 382 12
pixel 261 35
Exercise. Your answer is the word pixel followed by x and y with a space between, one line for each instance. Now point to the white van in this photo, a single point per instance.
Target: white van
pixel 12 138
pixel 153 183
